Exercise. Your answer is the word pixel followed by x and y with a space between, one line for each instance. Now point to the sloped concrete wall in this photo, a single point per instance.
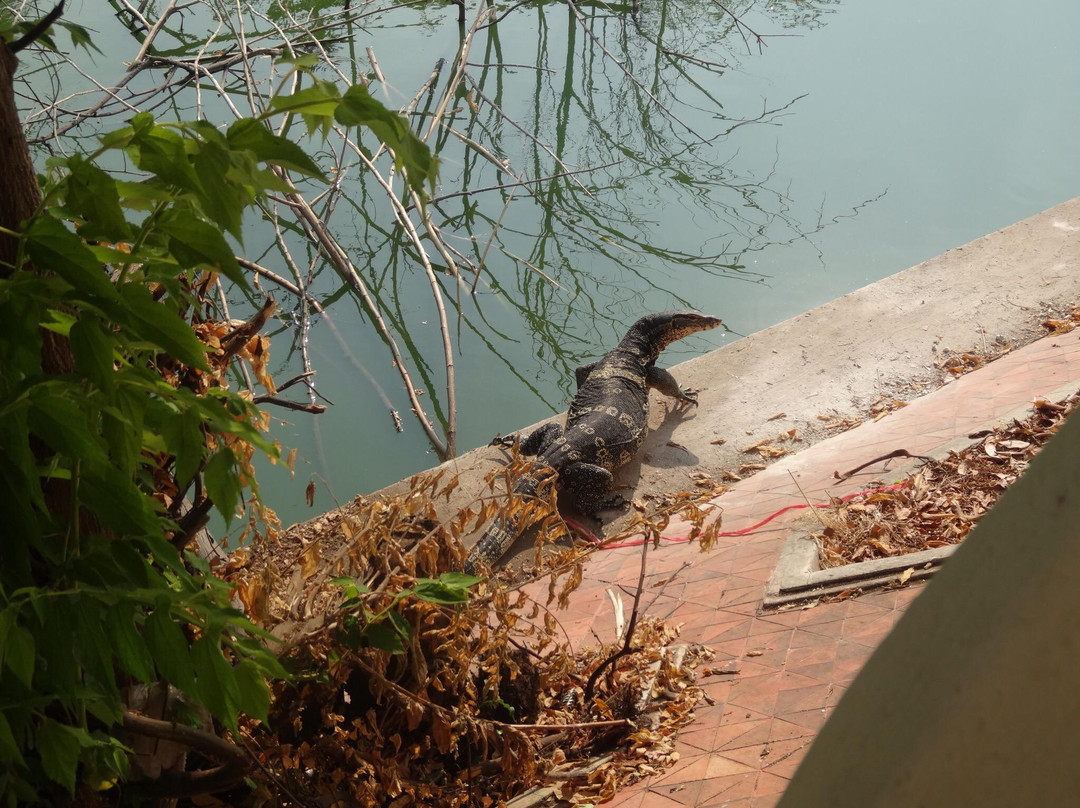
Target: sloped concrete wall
pixel 974 698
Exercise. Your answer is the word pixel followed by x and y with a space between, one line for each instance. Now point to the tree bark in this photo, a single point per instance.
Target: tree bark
pixel 20 195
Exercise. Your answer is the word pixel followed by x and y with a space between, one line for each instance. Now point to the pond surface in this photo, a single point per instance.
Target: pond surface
pixel 697 169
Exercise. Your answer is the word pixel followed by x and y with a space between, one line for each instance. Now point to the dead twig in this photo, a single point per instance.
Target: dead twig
pixel 590 685
pixel 895 453
pixel 234 759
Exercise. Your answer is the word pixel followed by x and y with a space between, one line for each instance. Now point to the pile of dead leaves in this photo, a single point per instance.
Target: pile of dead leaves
pixel 942 502
pixel 765 449
pixel 415 686
pixel 957 363
pixel 1064 324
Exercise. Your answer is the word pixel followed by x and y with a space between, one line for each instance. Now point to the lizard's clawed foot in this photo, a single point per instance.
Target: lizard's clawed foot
pixel 688 396
pixel 615 502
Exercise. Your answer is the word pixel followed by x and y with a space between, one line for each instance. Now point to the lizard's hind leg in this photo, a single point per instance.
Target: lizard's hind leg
pixel 541 438
pixel 586 485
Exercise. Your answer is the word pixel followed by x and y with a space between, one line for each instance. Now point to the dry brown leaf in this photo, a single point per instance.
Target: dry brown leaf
pixel 753 447
pixel 441 732
pixel 309 559
pixel 772 451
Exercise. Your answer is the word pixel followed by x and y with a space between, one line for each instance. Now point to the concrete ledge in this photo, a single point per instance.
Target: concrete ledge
pixel 798 577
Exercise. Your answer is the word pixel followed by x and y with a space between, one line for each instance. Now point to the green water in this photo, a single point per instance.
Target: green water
pixel 860 139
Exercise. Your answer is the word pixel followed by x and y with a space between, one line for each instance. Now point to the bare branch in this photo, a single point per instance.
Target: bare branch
pixel 280 281
pixel 345 269
pixel 150 36
pixel 312 409
pixel 188 784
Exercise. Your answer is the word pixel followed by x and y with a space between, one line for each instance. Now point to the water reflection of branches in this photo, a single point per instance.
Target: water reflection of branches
pixel 536 173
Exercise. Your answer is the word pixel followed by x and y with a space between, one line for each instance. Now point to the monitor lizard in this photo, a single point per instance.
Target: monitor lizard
pixel 606 424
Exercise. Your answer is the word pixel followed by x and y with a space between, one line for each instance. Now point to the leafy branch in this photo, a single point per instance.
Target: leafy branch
pixel 121 432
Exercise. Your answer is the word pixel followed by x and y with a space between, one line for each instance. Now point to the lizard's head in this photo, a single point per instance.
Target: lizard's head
pixel 663 328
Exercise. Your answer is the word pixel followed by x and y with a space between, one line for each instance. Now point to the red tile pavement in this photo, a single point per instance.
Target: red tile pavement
pixel 792 667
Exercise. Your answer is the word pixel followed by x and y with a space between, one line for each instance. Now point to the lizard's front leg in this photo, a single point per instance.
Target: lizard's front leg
pixel 660 379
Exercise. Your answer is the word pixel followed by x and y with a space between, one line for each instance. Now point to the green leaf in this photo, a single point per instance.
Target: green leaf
pixel 80 37
pixel 118 138
pixel 169 647
pixel 133 567
pixel 95 656
pixel 9 747
pixel 20 654
pixel 186 441
pixel 161 151
pixel 58 745
pixel 93 352
pixel 258 653
pixel 165 554
pixel 353 588
pixel 122 425
pixel 321 98
pixel 223 483
pixel 117 501
pixel 59 322
pixel 23 27
pixel 20 314
pixel 8 618
pixel 143 195
pixel 359 108
pixel 224 411
pixel 51 246
pixel 400 624
pixel 218 689
pixel 63 424
pixel 126 642
pixel 105 764
pixel 93 196
pixel 253 692
pixel 224 199
pixel 460 580
pixel 195 242
pixel 253 136
pixel 156 323
pixel 57 672
pixel 384 637
pixel 437 592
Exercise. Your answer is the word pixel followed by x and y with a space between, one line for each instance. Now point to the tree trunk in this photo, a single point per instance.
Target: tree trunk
pixel 20 194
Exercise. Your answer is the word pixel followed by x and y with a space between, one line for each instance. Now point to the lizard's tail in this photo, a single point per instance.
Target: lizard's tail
pixel 498 538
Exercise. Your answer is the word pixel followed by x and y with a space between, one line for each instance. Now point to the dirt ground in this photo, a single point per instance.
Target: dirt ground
pixel 835 365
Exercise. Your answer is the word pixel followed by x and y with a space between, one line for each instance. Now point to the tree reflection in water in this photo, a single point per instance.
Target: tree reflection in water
pixel 588 173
